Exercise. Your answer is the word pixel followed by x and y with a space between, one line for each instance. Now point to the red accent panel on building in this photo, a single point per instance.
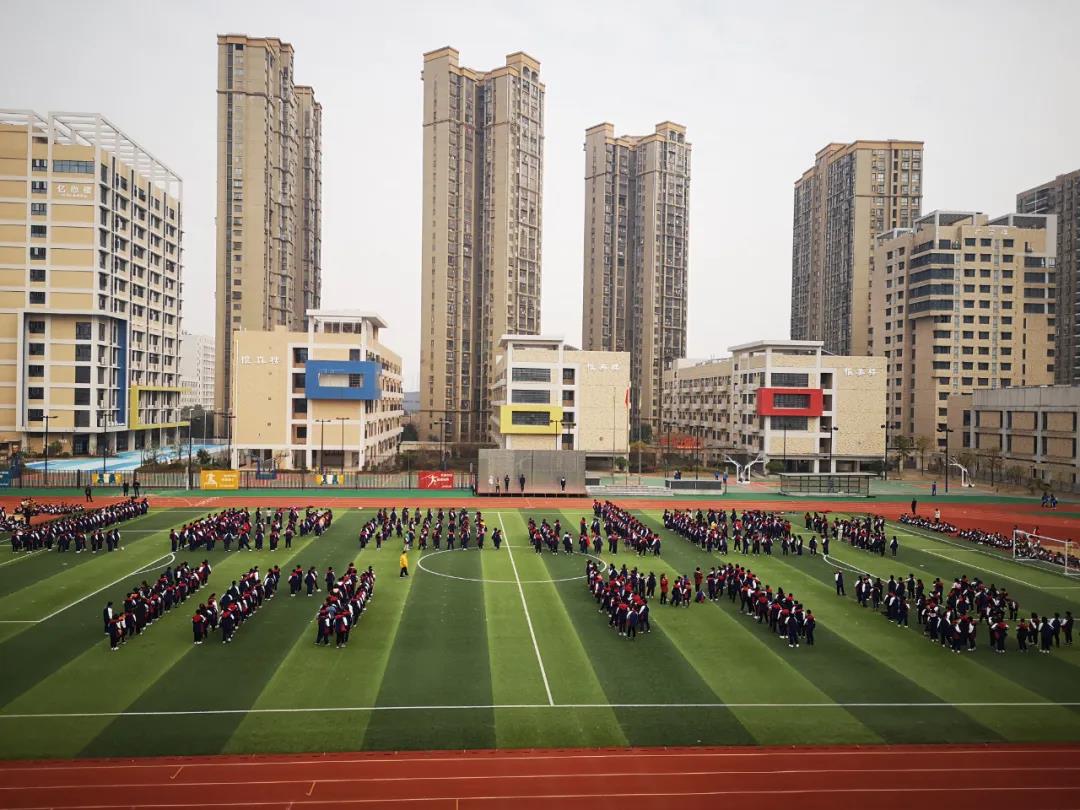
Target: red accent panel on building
pixel 766 398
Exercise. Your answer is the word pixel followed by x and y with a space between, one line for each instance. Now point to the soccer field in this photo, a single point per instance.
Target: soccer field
pixel 506 649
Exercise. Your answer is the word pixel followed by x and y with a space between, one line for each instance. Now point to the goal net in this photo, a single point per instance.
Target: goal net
pixel 1049 552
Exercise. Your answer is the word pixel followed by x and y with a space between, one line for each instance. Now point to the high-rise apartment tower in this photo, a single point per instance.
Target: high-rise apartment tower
pixel 637 196
pixel 269 188
pixel 1061 197
pixel 853 192
pixel 480 275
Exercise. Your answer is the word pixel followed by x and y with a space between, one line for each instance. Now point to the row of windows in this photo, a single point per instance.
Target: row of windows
pixel 789 380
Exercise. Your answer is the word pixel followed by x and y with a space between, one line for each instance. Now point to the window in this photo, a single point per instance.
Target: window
pixel 82 395
pixel 530 396
pixel 37 273
pixel 38 349
pixel 788 422
pixel 530 418
pixel 35 392
pixel 37 297
pixel 38 209
pixel 35 371
pixel 82 352
pixel 356 381
pixel 354 355
pixel 783 380
pixel 35 415
pixel 38 186
pixel 35 327
pixel 39 164
pixel 791 401
pixel 299 356
pixel 568 376
pixel 38 231
pixel 82 330
pixel 82 418
pixel 520 374
pixel 82 374
pixel 74 166
pixel 37 254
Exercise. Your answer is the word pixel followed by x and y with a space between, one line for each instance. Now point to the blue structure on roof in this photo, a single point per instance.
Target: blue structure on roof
pixel 356 380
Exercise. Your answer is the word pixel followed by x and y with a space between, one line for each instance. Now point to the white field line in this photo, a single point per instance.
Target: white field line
pixel 525 607
pixel 945 556
pixel 170 557
pixel 23 555
pixel 1026 705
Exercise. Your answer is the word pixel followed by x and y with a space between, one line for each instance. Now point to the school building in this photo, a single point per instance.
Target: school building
pixel 329 398
pixel 550 396
pixel 784 400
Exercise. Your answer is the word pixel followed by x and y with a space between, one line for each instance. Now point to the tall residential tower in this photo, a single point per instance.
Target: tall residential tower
pixel 1061 197
pixel 480 274
pixel 852 193
pixel 269 186
pixel 637 196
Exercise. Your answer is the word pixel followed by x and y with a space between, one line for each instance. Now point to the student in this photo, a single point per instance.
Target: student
pixel 403 561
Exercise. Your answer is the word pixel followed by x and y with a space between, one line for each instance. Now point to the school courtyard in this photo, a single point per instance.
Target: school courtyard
pixel 504 652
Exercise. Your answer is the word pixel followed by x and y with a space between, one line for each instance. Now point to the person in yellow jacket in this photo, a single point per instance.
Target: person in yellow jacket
pixel 403 561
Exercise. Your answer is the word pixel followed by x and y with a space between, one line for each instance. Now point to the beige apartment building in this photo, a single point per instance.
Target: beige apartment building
pixel 1032 428
pixel 637 225
pixel 269 191
pixel 483 157
pixel 328 398
pixel 90 299
pixel 550 396
pixel 784 400
pixel 958 303
pixel 852 193
pixel 198 358
pixel 1061 197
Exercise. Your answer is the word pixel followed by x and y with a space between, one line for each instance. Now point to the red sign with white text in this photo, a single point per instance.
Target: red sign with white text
pixel 436 480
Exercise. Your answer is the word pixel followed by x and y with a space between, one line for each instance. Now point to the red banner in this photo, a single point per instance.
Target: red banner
pixel 436 480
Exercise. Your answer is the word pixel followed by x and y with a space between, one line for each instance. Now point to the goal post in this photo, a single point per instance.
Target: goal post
pixel 1053 553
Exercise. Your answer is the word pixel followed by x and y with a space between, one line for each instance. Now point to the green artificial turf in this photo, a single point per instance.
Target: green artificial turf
pixel 507 649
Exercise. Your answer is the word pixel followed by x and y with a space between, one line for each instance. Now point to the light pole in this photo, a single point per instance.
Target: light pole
pixel 103 417
pixel 948 430
pixel 832 446
pixel 46 419
pixel 322 443
pixel 785 447
pixel 885 466
pixel 442 423
pixel 342 420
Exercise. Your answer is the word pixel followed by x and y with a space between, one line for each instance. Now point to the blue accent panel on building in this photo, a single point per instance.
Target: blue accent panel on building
pixel 369 379
pixel 121 402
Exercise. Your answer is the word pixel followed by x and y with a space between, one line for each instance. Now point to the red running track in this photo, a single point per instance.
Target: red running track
pixel 988 777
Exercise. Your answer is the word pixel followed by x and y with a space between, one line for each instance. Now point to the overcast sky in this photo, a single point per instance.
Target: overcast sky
pixel 991 87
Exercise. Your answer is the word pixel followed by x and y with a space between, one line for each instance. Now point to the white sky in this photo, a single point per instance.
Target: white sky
pixel 990 86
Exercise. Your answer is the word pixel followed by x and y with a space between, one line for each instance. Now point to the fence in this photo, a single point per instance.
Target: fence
pixel 249 479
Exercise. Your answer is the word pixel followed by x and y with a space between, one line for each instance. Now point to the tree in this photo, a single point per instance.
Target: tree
pixel 922 445
pixel 902 450
pixel 409 433
pixel 994 460
pixel 620 462
pixel 642 432
pixel 775 466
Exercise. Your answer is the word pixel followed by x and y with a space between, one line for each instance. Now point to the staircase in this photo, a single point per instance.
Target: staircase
pixel 629 490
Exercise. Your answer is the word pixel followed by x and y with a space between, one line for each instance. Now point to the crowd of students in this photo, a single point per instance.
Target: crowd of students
pixel 934 524
pixel 346 599
pixel 623 595
pixel 146 603
pixel 236 525
pixel 71 532
pixel 416 530
pixel 751 532
pixel 620 525
pixel 239 603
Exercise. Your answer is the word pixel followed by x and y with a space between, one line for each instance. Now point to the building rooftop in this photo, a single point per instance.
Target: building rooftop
pixel 346 315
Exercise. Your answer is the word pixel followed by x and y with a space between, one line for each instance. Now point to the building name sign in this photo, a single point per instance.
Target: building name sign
pixel 74 191
pixel 860 372
pixel 259 360
pixel 602 366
